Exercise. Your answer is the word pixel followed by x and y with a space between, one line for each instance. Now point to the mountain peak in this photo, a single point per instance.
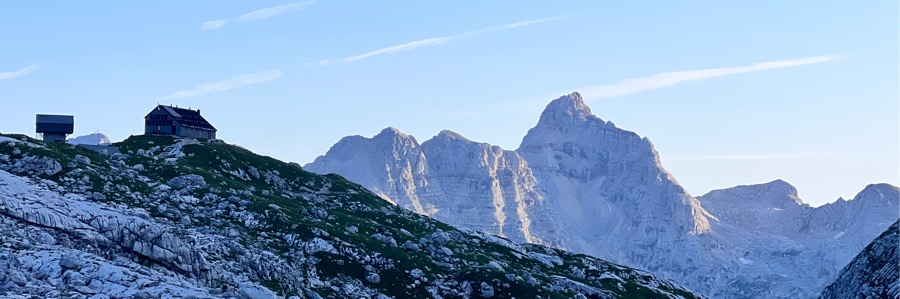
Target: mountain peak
pixel 569 117
pixel 782 186
pixel 880 187
pixel 391 134
pixel 447 134
pixel 390 131
pixel 777 193
pixel 571 104
pixel 884 194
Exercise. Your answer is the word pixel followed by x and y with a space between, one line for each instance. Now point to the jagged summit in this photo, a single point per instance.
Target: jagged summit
pixel 391 139
pixel 569 117
pixel 572 102
pixel 569 106
pixel 391 132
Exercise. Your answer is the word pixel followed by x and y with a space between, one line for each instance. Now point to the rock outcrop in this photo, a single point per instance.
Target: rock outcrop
pixel 874 273
pixel 204 219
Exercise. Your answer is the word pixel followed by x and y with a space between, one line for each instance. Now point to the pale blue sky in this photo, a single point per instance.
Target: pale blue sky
pixel 806 91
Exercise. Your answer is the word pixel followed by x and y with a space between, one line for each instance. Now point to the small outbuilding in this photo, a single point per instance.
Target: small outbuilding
pixel 54 128
pixel 169 120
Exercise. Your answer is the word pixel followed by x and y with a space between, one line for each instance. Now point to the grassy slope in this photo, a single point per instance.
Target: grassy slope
pixel 346 204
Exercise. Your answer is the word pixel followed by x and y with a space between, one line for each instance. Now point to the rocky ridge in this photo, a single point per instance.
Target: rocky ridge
pixel 181 218
pixel 585 185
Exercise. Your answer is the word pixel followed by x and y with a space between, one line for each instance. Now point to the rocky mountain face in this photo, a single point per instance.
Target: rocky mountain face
pixel 579 182
pixel 449 178
pixel 772 208
pixel 180 218
pixel 874 273
pixel 779 238
pixel 611 195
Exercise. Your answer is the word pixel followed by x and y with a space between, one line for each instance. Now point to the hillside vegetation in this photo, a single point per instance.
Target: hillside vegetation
pixel 177 217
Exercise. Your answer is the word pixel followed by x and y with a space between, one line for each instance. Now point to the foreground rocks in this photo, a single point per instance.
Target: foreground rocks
pixel 201 220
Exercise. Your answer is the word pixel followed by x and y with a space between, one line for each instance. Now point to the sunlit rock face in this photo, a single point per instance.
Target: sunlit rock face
pixel 479 182
pixel 393 166
pixel 608 185
pixel 579 182
pixel 772 207
pixel 449 177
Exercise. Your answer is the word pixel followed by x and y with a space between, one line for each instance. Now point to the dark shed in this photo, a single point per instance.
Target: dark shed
pixel 55 128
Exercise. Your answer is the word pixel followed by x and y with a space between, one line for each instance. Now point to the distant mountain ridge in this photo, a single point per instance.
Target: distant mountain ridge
pixel 579 182
pixel 781 212
pixel 90 139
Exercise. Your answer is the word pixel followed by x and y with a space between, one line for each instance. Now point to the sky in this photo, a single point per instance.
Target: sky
pixel 730 93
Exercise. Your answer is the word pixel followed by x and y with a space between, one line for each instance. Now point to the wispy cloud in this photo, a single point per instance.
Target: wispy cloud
pixel 227 84
pixel 661 80
pixel 256 15
pixel 438 40
pixel 632 86
pixel 763 156
pixel 21 72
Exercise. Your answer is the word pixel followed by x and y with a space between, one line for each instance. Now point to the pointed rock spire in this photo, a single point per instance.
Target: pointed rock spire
pixel 566 107
pixel 389 131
